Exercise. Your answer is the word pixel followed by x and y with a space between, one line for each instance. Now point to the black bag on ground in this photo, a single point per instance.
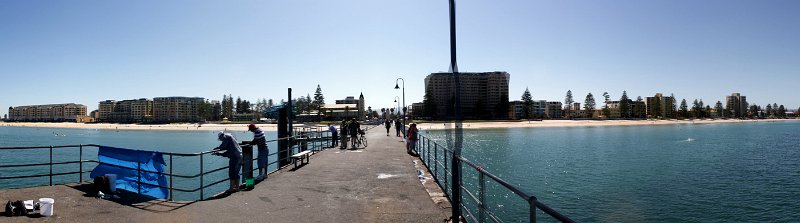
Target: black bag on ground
pixel 15 208
pixel 101 184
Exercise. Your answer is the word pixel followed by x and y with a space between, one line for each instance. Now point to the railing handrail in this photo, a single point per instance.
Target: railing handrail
pixel 532 200
pixel 298 138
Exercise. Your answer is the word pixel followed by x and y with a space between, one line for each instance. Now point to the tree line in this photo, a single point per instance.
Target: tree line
pixel 670 108
pixel 227 107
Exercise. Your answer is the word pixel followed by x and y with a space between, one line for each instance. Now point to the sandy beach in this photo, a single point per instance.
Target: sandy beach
pixel 422 126
pixel 584 123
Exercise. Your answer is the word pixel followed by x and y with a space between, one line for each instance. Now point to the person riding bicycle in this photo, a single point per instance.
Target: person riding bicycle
pixel 354 128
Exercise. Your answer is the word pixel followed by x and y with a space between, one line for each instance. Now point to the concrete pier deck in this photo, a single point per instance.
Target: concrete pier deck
pixel 375 184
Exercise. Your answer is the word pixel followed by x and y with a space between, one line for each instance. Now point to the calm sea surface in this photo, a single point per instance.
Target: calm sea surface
pixel 736 172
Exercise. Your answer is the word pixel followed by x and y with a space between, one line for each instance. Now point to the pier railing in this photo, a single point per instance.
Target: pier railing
pixel 313 139
pixel 437 160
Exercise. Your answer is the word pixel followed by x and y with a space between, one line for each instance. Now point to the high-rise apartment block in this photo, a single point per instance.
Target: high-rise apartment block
pixel 162 110
pixel 482 94
pixel 660 106
pixel 47 113
pixel 176 109
pixel 737 105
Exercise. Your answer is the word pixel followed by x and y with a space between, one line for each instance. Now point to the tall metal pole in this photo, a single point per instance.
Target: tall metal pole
pixel 404 109
pixel 456 162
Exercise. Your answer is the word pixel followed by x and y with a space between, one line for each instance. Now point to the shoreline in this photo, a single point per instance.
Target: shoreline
pixel 589 123
pixel 422 126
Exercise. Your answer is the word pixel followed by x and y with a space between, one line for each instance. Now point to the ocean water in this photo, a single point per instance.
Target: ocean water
pixel 164 141
pixel 733 172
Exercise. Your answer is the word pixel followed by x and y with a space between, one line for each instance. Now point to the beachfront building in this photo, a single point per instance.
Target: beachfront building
pixel 356 106
pixel 660 106
pixel 737 105
pixel 553 110
pixel 483 94
pixel 125 111
pixel 68 112
pixel 538 108
pixel 176 109
pixel 104 110
pixel 340 111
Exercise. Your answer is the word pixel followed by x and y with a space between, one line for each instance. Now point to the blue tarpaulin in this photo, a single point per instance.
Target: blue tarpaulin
pixel 127 178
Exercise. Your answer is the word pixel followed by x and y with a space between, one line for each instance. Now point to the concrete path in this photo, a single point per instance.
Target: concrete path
pixel 373 184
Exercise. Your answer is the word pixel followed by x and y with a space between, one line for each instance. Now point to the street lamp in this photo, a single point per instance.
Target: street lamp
pixel 396 98
pixel 397 86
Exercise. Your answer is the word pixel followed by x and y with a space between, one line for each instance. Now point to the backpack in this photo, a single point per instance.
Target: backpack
pixel 101 184
pixel 15 208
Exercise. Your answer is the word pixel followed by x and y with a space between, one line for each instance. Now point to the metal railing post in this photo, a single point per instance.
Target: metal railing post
pixel 482 191
pixel 435 157
pixel 80 163
pixel 170 178
pixel 201 176
pixel 532 206
pixel 436 146
pixel 51 165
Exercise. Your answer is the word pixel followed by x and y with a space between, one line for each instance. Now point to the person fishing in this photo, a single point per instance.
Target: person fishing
pixel 261 142
pixel 231 149
pixel 334 135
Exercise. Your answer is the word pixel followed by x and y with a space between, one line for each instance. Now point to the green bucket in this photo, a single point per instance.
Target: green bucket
pixel 249 182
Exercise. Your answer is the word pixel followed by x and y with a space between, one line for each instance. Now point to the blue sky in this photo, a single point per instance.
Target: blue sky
pixel 88 51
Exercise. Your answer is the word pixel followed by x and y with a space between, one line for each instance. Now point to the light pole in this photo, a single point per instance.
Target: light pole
pixel 397 86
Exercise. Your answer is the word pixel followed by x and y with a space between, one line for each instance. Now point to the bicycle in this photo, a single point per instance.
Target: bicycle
pixel 362 139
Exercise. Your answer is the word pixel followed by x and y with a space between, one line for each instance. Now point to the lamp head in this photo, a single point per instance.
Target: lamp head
pixel 396 86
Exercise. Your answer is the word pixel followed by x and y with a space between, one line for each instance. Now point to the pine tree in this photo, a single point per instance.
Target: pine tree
pixel 606 111
pixel 696 109
pixel 718 109
pixel 319 101
pixel 589 105
pixel 655 108
pixel 568 103
pixel 781 112
pixel 673 106
pixel 624 105
pixel 769 110
pixel 684 109
pixel 527 104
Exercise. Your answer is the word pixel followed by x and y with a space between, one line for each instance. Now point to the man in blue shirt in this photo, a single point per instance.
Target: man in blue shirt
pixel 334 135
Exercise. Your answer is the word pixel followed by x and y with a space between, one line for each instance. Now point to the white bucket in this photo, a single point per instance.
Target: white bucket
pixel 112 182
pixel 46 206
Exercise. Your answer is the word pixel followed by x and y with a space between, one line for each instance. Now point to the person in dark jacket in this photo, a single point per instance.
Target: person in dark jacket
pixel 397 125
pixel 230 148
pixel 388 125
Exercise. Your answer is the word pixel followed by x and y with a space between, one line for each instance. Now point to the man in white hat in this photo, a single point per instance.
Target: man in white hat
pixel 230 148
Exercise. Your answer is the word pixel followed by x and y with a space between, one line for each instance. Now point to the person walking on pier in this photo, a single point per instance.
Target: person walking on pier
pixel 261 142
pixel 397 125
pixel 354 129
pixel 230 148
pixel 388 124
pixel 334 135
pixel 343 128
pixel 411 142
